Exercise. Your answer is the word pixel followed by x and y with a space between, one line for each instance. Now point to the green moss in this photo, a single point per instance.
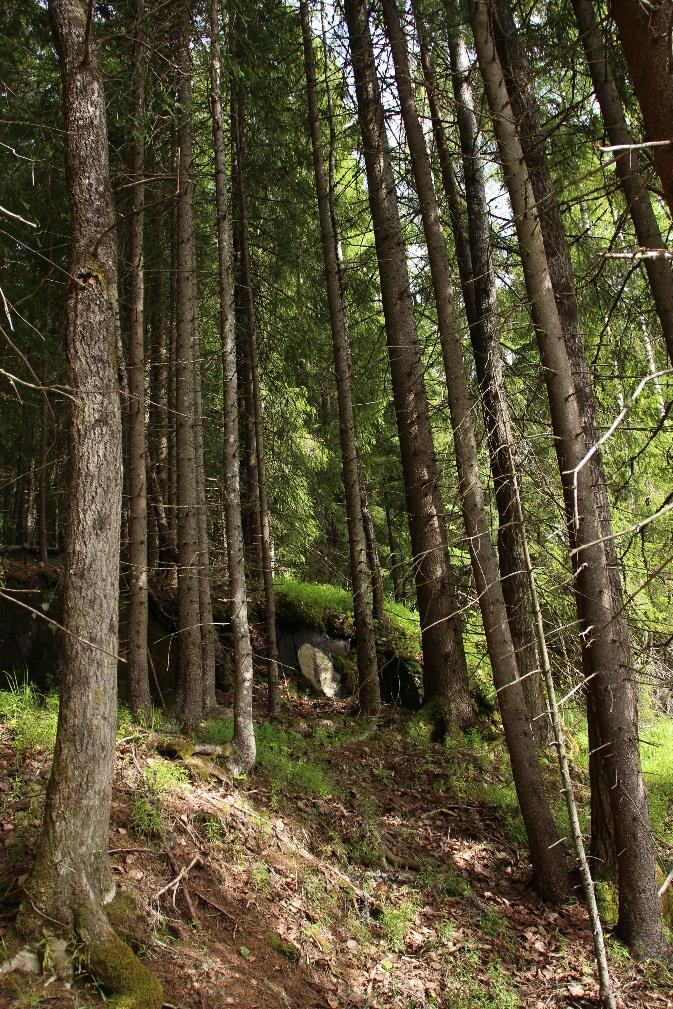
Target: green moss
pixel 125 918
pixel 283 947
pixel 607 901
pixel 119 972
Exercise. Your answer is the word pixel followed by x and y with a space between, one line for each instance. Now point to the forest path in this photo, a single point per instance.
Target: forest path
pixel 362 865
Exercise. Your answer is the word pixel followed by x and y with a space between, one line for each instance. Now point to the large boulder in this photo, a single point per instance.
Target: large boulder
pixel 318 671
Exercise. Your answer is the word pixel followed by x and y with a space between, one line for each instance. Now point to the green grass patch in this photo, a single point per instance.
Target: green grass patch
pixel 656 753
pixel 163 776
pixel 285 759
pixel 146 818
pixel 396 921
pixel 31 716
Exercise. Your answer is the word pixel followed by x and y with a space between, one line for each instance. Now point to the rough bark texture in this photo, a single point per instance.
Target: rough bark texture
pixel 628 165
pixel 444 666
pixel 243 747
pixel 190 690
pixel 72 880
pixel 205 604
pixel 645 33
pixel 480 295
pixel 547 856
pixel 519 84
pixel 138 679
pixel 369 696
pixel 639 913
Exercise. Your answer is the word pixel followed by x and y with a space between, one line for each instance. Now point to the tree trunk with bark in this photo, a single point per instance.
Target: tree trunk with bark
pixel 254 431
pixel 639 913
pixel 190 688
pixel 645 33
pixel 519 85
pixel 137 668
pixel 444 666
pixel 205 603
pixel 628 165
pixel 243 753
pixel 369 696
pixel 476 271
pixel 547 855
pixel 71 881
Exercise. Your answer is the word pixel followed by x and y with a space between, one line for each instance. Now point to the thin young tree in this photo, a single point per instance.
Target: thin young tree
pixel 547 855
pixel 444 666
pixel 369 695
pixel 138 679
pixel 257 492
pixel 71 880
pixel 243 753
pixel 639 913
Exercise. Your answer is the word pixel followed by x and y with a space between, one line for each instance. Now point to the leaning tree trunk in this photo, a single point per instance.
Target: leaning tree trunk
pixel 519 84
pixel 645 33
pixel 190 690
pixel 628 167
pixel 473 254
pixel 444 666
pixel 369 696
pixel 71 880
pixel 485 339
pixel 639 912
pixel 138 679
pixel 243 753
pixel 547 856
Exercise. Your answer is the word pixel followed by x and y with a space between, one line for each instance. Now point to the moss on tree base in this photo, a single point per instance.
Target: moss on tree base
pixel 120 972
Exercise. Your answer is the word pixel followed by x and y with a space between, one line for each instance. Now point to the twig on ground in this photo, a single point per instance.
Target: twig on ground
pixel 175 883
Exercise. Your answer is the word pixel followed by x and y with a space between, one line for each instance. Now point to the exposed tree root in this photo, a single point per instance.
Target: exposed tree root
pixel 111 961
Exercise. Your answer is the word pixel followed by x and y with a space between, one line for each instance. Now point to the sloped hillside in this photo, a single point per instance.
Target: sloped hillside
pixel 361 865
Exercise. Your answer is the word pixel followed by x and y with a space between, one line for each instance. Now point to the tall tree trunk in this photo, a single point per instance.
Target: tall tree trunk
pixel 369 696
pixel 137 669
pixel 547 856
pixel 245 316
pixel 160 423
pixel 43 479
pixel 485 340
pixel 255 431
pixel 72 880
pixel 373 560
pixel 639 913
pixel 645 33
pixel 628 164
pixel 444 665
pixel 243 747
pixel 205 604
pixel 190 696
pixel 519 85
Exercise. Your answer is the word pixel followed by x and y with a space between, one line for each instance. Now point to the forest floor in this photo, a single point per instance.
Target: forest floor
pixel 361 865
